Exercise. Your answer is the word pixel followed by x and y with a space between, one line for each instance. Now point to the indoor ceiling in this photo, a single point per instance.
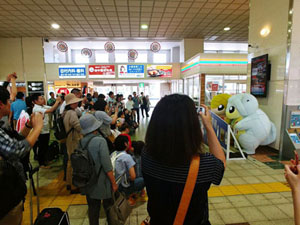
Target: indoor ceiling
pixel 170 19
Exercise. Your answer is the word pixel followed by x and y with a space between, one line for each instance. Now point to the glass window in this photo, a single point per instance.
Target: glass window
pixel 121 57
pixel 160 58
pixel 102 57
pixel 81 59
pixel 231 88
pixel 180 86
pixel 190 84
pixel 142 58
pixel 196 90
pixel 231 77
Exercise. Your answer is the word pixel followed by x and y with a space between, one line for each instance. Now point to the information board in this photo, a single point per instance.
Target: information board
pixel 131 71
pixel 102 71
pixel 72 71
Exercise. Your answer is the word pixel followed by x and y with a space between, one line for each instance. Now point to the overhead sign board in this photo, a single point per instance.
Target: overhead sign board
pixel 159 70
pixel 131 71
pixel 72 71
pixel 102 71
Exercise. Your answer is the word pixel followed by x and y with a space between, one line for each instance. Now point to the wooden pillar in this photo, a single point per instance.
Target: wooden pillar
pixel 202 88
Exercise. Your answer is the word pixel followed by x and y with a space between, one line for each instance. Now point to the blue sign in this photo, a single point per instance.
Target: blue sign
pixel 220 128
pixel 70 71
pixel 135 68
pixel 131 71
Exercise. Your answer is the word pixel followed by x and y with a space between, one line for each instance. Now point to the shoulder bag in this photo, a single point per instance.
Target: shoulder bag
pixel 186 195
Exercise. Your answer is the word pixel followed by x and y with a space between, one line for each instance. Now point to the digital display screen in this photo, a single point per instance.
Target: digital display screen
pixel 259 76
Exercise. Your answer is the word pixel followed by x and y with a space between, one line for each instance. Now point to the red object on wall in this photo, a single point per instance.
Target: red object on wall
pixel 215 87
pixel 101 70
pixel 63 90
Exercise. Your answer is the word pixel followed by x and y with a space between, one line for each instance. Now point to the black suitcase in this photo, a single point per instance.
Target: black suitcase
pixel 52 216
pixel 48 216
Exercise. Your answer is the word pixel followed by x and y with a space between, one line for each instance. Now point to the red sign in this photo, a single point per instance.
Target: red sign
pixel 215 87
pixel 102 71
pixel 63 90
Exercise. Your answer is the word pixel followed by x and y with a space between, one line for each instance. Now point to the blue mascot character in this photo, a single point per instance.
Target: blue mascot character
pixel 254 125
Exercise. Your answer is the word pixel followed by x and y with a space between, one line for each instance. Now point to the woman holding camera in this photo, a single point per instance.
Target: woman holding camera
pixel 173 139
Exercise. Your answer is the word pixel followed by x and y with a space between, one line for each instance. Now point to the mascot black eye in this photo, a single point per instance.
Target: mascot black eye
pixel 231 109
pixel 248 100
pixel 221 107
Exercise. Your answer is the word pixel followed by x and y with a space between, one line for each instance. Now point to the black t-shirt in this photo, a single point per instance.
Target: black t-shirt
pixel 165 186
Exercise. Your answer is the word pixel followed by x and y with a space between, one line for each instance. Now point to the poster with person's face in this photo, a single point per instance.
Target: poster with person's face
pixel 131 71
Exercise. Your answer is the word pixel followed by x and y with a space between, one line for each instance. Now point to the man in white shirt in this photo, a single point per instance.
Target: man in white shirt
pixel 43 140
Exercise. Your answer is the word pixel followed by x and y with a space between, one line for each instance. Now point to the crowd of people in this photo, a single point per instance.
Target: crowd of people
pixel 103 126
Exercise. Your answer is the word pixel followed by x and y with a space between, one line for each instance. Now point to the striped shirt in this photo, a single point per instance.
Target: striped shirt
pixel 165 185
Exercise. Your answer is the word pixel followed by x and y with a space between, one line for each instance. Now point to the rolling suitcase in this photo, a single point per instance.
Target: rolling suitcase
pixel 48 216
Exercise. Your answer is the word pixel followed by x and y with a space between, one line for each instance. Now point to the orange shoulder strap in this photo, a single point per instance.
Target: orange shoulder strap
pixel 188 191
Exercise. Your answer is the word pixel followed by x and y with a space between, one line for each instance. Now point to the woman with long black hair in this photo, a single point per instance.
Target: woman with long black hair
pixel 173 139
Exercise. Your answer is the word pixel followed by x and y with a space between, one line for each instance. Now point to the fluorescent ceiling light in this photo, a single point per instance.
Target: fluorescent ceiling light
pixel 226 28
pixel 144 26
pixel 212 38
pixel 55 26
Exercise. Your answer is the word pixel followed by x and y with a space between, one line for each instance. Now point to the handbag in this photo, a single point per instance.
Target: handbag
pixel 119 211
pixel 186 195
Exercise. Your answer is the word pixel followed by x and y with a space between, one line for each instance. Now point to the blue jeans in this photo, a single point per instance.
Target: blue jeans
pixel 135 186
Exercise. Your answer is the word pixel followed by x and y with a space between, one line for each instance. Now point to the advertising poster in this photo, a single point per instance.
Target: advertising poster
pixel 295 119
pixel 72 71
pixel 131 71
pixel 259 71
pixel 35 87
pixel 102 71
pixel 159 70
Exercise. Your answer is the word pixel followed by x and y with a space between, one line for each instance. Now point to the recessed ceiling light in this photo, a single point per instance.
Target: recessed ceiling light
pixel 144 26
pixel 55 26
pixel 226 28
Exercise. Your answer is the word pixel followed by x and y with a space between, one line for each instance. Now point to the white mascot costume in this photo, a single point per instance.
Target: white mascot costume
pixel 255 127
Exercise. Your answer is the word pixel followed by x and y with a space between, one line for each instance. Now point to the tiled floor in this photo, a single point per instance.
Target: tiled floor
pixel 252 192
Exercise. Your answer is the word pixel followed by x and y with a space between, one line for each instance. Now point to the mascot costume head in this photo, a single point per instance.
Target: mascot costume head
pixel 218 105
pixel 255 125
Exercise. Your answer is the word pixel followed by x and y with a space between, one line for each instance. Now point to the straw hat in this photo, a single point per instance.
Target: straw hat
pixel 71 99
pixel 89 123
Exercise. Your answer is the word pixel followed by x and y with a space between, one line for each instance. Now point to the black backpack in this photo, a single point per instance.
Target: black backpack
pixel 60 130
pixel 84 172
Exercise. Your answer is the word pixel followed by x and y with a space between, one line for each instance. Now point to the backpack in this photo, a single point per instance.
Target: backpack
pixel 12 186
pixel 60 130
pixel 23 119
pixel 113 157
pixel 84 172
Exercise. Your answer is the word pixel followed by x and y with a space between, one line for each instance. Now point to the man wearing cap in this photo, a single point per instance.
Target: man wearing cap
pixel 44 138
pixel 73 129
pixel 97 147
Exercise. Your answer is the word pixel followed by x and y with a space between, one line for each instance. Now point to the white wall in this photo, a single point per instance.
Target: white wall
pixel 272 13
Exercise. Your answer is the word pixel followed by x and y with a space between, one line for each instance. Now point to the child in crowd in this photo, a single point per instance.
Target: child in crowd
pixel 121 118
pixel 125 130
pixel 138 147
pixel 124 170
